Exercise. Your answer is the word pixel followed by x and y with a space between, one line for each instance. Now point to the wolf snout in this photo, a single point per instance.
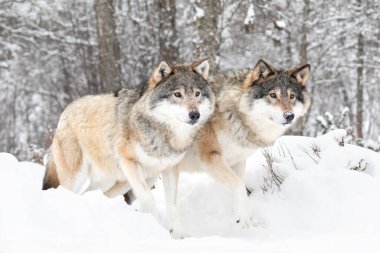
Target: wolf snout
pixel 288 116
pixel 194 117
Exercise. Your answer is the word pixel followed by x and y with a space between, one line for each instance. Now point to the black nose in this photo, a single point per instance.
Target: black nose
pixel 288 116
pixel 194 116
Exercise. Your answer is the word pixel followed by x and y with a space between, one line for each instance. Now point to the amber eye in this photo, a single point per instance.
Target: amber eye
pixel 292 96
pixel 177 94
pixel 197 93
pixel 272 95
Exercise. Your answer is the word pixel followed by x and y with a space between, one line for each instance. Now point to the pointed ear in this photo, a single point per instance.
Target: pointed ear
pixel 302 74
pixel 163 70
pixel 202 67
pixel 261 71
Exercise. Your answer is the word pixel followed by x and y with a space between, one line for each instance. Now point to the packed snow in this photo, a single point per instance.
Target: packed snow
pixel 320 195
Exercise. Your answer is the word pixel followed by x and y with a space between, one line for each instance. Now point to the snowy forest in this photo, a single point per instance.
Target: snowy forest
pixel 52 52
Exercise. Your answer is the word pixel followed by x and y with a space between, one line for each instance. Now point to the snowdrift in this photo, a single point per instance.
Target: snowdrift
pixel 309 195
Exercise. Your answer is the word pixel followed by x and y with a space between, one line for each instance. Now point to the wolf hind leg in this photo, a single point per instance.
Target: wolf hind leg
pixel 119 188
pixel 68 158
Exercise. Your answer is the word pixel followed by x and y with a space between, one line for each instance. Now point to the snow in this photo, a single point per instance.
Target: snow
pixel 280 3
pixel 322 121
pixel 280 24
pixel 325 204
pixel 199 13
pixel 250 18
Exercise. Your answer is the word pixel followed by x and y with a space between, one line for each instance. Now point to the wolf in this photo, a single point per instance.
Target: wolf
pixel 123 141
pixel 254 107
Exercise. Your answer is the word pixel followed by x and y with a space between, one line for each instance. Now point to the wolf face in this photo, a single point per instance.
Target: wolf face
pixel 276 96
pixel 181 94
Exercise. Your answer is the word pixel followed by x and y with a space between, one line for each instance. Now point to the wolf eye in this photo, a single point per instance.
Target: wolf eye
pixel 177 94
pixel 292 96
pixel 272 95
pixel 197 93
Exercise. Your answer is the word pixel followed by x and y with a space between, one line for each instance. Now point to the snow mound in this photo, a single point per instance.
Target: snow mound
pixel 326 200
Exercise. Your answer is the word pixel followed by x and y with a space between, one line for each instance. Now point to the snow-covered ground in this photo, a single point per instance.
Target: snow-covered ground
pixel 323 205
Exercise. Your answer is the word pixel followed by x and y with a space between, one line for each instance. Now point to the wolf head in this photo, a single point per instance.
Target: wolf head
pixel 181 94
pixel 276 95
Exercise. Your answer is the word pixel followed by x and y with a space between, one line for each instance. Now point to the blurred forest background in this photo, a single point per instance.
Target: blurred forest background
pixel 54 51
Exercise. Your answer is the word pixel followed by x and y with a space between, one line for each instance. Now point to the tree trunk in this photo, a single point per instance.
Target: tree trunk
pixel 304 32
pixel 167 31
pixel 299 127
pixel 206 37
pixel 67 89
pixel 109 50
pixel 359 73
pixel 359 86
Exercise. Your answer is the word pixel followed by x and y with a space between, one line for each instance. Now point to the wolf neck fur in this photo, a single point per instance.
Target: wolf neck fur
pixel 160 138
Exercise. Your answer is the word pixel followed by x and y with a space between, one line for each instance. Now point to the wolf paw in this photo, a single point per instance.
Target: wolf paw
pixel 177 234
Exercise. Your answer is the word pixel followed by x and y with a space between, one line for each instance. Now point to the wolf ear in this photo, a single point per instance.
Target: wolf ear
pixel 202 67
pixel 260 71
pixel 302 74
pixel 163 70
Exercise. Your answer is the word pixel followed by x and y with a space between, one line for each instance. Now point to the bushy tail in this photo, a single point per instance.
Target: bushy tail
pixel 51 176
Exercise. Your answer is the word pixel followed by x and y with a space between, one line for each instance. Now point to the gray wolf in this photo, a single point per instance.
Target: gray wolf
pixel 122 141
pixel 254 107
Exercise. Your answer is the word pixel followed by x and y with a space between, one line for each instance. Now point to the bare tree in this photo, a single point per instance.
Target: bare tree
pixel 168 38
pixel 303 59
pixel 359 77
pixel 206 36
pixel 304 32
pixel 109 49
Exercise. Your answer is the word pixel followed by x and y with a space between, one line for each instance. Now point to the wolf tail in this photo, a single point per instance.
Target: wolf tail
pixel 51 176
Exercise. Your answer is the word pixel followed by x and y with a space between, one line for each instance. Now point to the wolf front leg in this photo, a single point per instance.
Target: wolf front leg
pixel 218 169
pixel 170 179
pixel 135 176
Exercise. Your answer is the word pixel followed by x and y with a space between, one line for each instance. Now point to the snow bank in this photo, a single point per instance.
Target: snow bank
pixel 329 201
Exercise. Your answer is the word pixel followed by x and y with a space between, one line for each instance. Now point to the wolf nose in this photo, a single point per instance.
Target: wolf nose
pixel 288 116
pixel 194 116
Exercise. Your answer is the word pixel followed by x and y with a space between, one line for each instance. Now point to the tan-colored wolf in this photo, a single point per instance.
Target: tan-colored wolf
pixel 122 141
pixel 254 107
